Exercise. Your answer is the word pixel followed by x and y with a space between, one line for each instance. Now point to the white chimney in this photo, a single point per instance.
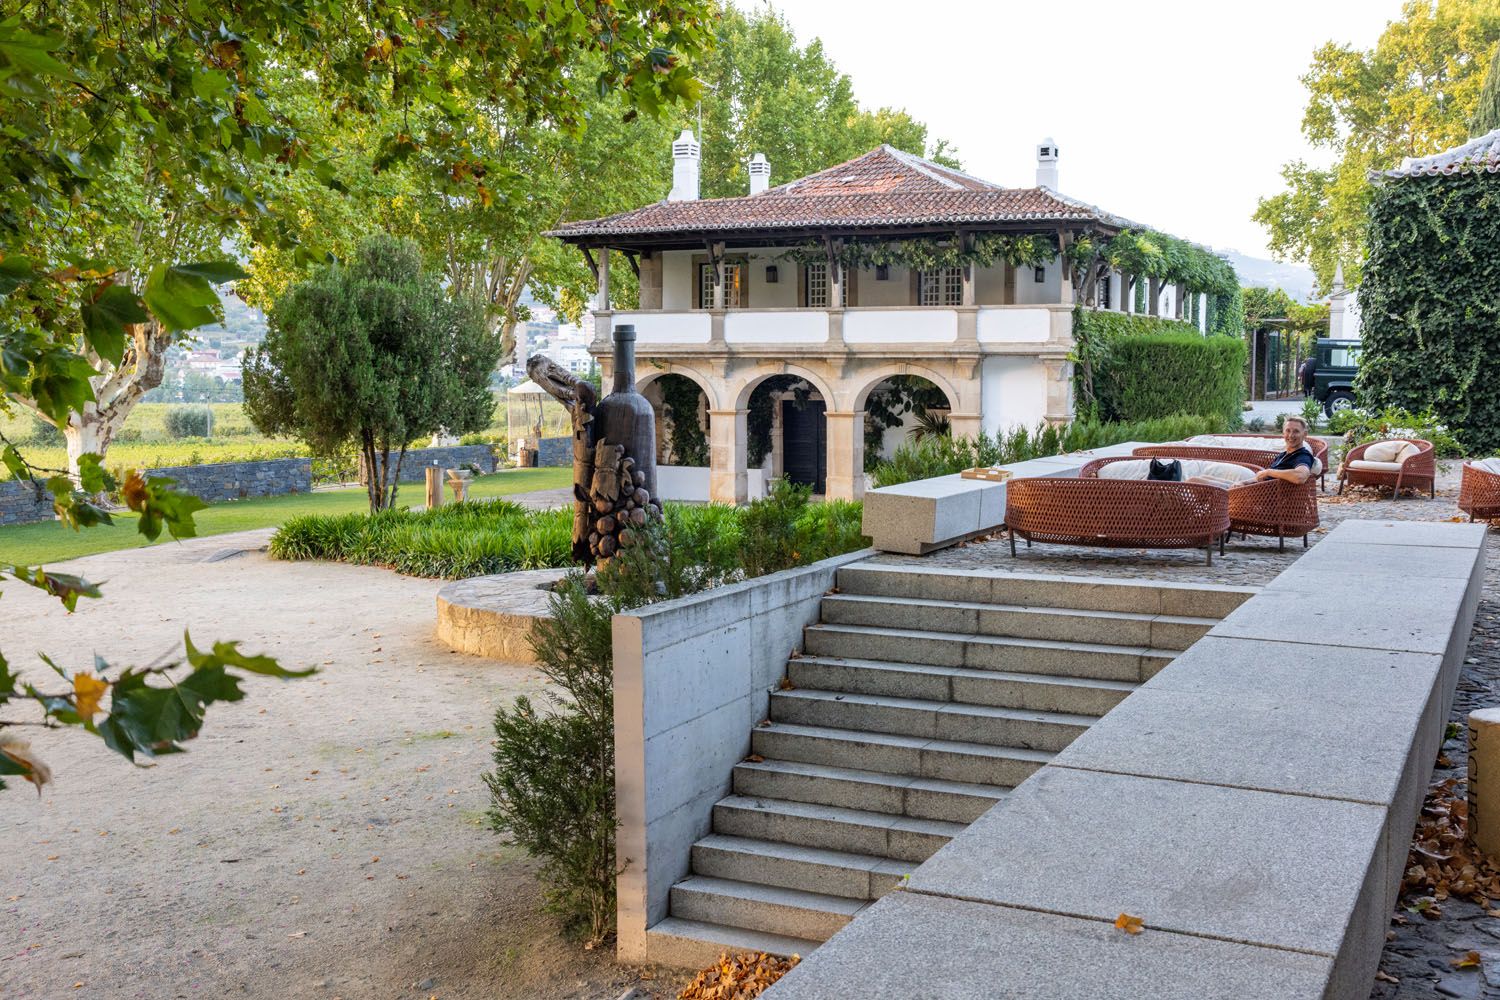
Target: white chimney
pixel 685 162
pixel 1046 164
pixel 1336 304
pixel 760 173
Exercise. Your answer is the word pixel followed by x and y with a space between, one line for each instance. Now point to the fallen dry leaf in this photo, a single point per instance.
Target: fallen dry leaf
pixel 755 758
pixel 1469 961
pixel 1442 864
pixel 1381 977
pixel 1128 924
pixel 738 977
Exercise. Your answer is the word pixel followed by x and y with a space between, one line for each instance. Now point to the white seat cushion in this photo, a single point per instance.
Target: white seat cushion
pixel 1368 466
pixel 1137 469
pixel 1389 451
pixel 1488 465
pixel 1226 472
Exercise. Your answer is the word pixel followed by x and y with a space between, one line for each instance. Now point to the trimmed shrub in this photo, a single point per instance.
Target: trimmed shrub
pixel 946 456
pixel 1160 374
pixel 1430 313
pixel 188 421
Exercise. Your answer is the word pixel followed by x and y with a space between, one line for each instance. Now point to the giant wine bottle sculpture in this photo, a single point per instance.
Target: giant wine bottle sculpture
pixel 624 481
pixel 614 453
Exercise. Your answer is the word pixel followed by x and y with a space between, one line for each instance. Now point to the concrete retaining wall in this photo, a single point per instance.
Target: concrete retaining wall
pixel 1252 803
pixel 692 677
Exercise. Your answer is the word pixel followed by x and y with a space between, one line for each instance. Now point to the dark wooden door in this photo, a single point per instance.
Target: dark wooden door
pixel 804 443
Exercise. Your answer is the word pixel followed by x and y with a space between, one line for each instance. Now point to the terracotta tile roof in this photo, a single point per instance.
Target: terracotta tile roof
pixel 1480 155
pixel 884 187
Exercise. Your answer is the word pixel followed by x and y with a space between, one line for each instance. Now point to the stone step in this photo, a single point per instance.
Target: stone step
pixel 791 866
pixel 937 720
pixel 853 831
pixel 986 652
pixel 1002 689
pixel 708 941
pixel 811 916
pixel 872 791
pixel 1150 597
pixel 1111 628
pixel 950 760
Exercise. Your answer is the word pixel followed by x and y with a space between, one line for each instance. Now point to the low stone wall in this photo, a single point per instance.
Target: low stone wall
pixel 414 466
pixel 920 517
pixel 1252 804
pixel 238 480
pixel 555 451
pixel 692 677
pixel 492 616
pixel 19 505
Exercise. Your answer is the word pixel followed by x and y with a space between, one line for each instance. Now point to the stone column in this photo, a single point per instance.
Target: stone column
pixel 718 262
pixel 1059 374
pixel 601 298
pixel 728 432
pixel 846 455
pixel 1153 297
pixel 778 448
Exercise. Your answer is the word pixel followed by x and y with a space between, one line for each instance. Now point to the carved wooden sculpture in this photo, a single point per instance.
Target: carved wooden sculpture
pixel 614 453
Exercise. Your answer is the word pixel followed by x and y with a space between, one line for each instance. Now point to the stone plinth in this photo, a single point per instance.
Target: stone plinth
pixel 493 616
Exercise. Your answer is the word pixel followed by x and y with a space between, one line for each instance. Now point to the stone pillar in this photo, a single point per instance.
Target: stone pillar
pixel 965 425
pixel 1484 780
pixel 601 298
pixel 651 280
pixel 846 455
pixel 778 448
pixel 835 279
pixel 1153 297
pixel 718 262
pixel 1059 374
pixel 1064 281
pixel 728 432
pixel 1127 294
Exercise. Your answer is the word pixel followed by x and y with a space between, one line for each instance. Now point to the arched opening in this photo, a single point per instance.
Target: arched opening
pixel 787 431
pixel 681 408
pixel 903 408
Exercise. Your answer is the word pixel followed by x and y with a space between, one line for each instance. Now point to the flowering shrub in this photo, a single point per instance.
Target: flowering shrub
pixel 1362 426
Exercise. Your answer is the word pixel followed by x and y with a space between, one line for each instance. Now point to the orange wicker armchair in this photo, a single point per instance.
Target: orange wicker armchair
pixel 1118 513
pixel 1269 507
pixel 1240 456
pixel 1416 470
pixel 1479 493
pixel 1274 442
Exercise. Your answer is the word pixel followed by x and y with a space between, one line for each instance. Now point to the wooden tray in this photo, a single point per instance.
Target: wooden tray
pixel 990 474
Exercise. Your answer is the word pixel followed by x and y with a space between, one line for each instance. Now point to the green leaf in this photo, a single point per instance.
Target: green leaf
pixel 180 299
pixel 228 654
pixel 12 460
pixel 210 85
pixel 63 586
pixel 29 52
pixel 91 475
pixel 105 318
pixel 161 505
pixel 216 271
pixel 15 271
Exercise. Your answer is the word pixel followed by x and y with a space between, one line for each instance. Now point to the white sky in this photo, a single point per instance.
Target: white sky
pixel 1177 115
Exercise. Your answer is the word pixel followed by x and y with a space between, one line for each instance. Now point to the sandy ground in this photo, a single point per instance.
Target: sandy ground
pixel 323 838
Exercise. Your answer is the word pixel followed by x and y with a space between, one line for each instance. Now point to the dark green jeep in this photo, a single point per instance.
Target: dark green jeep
pixel 1333 379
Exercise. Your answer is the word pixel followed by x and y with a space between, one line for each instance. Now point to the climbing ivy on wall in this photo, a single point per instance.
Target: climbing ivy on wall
pixel 1226 313
pixel 1429 304
pixel 681 398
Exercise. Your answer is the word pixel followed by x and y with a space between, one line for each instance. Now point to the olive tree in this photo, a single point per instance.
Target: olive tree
pixel 374 353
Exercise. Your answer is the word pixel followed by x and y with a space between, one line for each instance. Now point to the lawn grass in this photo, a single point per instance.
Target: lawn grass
pixel 50 542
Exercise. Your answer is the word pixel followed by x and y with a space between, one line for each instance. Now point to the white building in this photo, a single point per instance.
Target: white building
pixel 734 291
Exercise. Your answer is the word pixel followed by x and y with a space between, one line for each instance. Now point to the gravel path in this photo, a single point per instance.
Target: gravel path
pixel 323 838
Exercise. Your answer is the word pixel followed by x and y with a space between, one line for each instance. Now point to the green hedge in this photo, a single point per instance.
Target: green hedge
pixel 1428 304
pixel 1150 375
pixel 944 456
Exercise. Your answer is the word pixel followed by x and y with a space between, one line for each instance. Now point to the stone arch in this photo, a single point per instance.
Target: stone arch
pixel 747 385
pixel 651 373
pixel 870 380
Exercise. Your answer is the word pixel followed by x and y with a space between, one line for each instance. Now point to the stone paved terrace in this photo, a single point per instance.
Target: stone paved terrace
pixel 1420 952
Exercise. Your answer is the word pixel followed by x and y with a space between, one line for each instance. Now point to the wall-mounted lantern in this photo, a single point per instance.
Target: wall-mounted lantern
pixel 882 272
pixel 772 274
pixel 1041 275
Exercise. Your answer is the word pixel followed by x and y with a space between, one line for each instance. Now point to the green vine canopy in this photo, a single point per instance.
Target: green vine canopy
pixel 931 253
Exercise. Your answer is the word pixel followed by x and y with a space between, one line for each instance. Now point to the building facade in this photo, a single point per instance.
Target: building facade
pixel 819 281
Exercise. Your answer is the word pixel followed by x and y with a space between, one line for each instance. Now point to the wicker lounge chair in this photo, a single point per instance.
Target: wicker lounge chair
pixel 1261 459
pixel 1271 507
pixel 1416 469
pixel 1479 491
pixel 1273 441
pixel 1117 513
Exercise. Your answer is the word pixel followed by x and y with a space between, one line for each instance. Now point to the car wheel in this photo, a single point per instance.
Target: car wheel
pixel 1337 402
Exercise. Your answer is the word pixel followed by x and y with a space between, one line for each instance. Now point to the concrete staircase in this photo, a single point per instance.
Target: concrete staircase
pixel 920 699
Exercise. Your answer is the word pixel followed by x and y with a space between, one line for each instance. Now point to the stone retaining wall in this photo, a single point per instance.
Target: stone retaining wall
pixel 18 503
pixel 414 467
pixel 238 480
pixel 1252 804
pixel 555 451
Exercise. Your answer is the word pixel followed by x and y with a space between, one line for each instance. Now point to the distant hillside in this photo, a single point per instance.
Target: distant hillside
pixel 242 323
pixel 1294 279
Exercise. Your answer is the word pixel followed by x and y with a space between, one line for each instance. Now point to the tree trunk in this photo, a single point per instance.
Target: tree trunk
pixel 396 479
pixel 385 471
pixel 372 484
